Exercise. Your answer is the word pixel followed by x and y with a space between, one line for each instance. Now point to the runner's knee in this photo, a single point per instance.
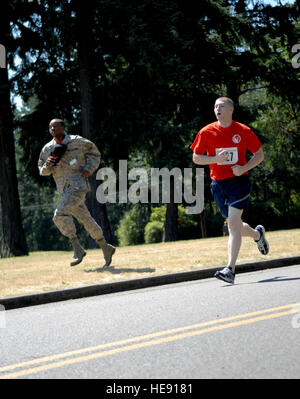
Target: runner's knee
pixel 234 223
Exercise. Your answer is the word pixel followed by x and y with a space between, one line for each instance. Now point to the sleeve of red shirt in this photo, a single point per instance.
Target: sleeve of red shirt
pixel 199 144
pixel 253 144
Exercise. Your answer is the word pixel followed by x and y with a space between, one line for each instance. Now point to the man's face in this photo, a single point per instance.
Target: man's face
pixel 56 129
pixel 223 110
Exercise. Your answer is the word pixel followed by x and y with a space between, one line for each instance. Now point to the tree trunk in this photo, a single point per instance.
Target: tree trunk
pixel 171 221
pixel 13 241
pixel 203 225
pixel 85 12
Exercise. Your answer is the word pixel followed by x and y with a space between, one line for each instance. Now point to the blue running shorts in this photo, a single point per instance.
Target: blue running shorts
pixel 234 192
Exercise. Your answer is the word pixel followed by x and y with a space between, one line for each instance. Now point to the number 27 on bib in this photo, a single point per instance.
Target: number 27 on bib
pixel 232 155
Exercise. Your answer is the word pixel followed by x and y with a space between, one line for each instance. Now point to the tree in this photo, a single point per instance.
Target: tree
pixel 278 196
pixel 13 241
pixel 85 13
pixel 143 75
pixel 61 81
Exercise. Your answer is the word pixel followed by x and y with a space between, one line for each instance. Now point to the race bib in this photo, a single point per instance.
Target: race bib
pixel 232 155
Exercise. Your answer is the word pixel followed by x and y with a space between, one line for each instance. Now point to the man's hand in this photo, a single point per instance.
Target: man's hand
pixel 50 161
pixel 222 156
pixel 237 170
pixel 85 173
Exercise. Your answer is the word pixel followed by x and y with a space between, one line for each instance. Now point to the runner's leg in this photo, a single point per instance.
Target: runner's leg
pixel 235 235
pixel 247 231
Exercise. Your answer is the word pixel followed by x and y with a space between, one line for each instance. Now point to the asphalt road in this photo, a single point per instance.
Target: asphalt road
pixel 202 329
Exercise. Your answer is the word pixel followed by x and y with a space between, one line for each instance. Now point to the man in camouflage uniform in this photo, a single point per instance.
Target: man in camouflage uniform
pixel 79 160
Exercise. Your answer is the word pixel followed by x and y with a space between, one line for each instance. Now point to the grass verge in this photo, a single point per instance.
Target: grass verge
pixel 46 271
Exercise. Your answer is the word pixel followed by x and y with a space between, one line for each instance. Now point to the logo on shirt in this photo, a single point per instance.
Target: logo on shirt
pixel 236 138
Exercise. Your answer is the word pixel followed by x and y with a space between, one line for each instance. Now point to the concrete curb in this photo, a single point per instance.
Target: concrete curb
pixel 119 286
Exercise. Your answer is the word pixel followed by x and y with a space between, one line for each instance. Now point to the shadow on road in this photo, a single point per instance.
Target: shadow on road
pixel 112 270
pixel 269 280
pixel 278 278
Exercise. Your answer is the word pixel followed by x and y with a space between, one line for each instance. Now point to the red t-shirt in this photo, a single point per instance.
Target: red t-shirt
pixel 236 138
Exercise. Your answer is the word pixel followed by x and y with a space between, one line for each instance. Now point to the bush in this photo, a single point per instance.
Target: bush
pixel 154 232
pixel 188 226
pixel 158 214
pixel 131 227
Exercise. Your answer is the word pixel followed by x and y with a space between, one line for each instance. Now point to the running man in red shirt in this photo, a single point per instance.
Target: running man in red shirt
pixel 223 145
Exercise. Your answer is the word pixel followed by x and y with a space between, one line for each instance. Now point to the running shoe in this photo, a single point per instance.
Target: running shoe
pixel 262 243
pixel 226 274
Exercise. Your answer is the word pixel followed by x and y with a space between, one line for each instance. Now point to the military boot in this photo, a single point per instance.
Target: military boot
pixel 108 251
pixel 79 252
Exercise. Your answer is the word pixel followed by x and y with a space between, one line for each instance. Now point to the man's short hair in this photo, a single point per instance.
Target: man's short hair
pixel 59 120
pixel 226 100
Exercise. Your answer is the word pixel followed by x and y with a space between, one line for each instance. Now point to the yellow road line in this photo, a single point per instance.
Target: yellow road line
pixel 140 338
pixel 145 344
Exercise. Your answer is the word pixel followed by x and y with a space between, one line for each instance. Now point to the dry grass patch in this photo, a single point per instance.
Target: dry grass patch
pixel 45 271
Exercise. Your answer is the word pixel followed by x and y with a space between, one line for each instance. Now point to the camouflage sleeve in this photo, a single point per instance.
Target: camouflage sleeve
pixel 92 155
pixel 44 170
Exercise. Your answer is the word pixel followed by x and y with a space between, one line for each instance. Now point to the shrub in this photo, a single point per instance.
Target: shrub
pixel 131 227
pixel 153 232
pixel 187 224
pixel 158 214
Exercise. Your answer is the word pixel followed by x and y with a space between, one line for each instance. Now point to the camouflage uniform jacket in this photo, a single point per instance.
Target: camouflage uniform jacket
pixel 81 154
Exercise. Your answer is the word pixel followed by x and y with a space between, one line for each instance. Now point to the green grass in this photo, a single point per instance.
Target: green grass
pixel 45 271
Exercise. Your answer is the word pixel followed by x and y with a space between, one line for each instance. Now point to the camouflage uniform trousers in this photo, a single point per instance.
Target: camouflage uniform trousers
pixel 73 204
